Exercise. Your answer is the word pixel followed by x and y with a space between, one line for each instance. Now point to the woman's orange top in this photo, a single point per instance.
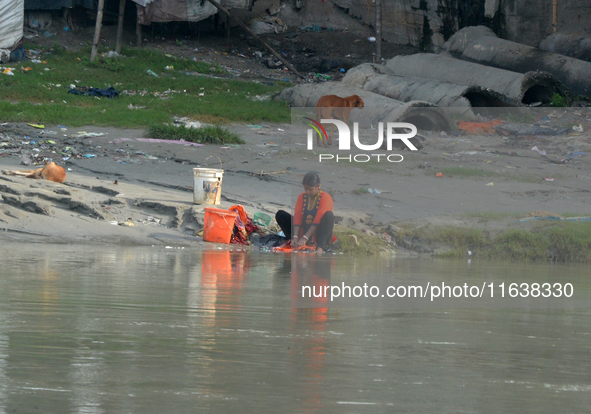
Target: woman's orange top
pixel 309 210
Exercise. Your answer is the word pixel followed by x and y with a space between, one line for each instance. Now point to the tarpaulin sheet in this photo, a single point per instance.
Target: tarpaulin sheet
pixel 175 11
pixel 183 10
pixel 12 14
pixel 58 4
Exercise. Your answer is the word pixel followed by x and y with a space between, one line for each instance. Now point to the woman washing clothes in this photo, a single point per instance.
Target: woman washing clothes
pixel 313 219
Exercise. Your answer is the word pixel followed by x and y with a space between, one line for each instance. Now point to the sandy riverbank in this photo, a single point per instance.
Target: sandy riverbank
pixel 154 189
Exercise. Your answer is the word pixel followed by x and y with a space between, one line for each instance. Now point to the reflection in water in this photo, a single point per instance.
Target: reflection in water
pixel 151 330
pixel 4 329
pixel 313 271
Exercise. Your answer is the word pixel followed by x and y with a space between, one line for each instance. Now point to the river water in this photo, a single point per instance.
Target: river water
pixel 102 329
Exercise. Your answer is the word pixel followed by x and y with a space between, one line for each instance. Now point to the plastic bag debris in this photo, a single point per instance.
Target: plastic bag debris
pixel 132 106
pixel 84 134
pixel 107 93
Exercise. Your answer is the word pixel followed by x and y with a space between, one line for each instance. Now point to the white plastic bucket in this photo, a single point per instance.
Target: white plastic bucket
pixel 207 185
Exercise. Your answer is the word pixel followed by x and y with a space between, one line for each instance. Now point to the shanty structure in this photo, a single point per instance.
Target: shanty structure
pixel 12 13
pixel 182 10
pixel 149 11
pixel 177 10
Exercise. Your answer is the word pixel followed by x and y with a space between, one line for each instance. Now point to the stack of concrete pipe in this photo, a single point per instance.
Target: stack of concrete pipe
pixel 479 44
pixel 527 88
pixel 381 80
pixel 578 47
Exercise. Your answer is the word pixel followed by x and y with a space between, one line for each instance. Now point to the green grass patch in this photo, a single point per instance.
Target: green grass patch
pixel 362 244
pixel 112 64
pixel 360 191
pixel 42 96
pixel 493 216
pixel 560 101
pixel 562 242
pixel 205 135
pixel 517 245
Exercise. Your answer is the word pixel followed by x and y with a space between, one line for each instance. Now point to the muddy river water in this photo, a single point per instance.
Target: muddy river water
pixel 112 329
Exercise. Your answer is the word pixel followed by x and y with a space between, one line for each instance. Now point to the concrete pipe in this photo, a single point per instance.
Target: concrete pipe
pixel 578 47
pixel 423 115
pixel 479 44
pixel 527 88
pixel 381 80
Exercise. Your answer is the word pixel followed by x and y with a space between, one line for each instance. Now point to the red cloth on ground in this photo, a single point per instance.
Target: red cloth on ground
pixel 479 127
pixel 286 247
pixel 243 226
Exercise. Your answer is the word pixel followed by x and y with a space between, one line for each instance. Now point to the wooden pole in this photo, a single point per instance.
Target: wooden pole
pixel 97 29
pixel 120 26
pixel 138 28
pixel 554 16
pixel 379 31
pixel 277 55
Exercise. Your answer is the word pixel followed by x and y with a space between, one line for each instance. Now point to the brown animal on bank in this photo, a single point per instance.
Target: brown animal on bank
pixel 335 107
pixel 51 172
